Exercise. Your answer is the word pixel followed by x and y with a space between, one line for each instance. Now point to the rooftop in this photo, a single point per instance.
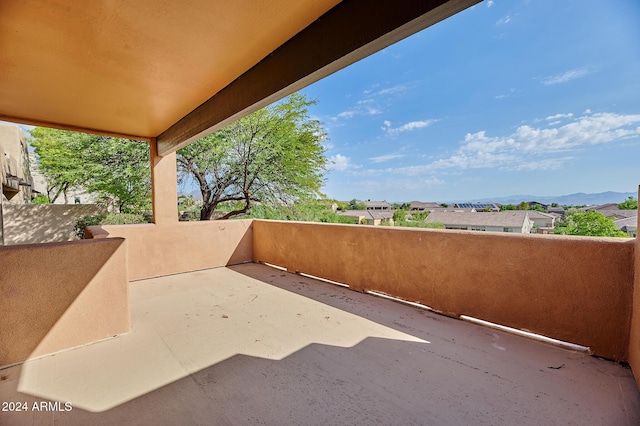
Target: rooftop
pixel 254 344
pixel 508 218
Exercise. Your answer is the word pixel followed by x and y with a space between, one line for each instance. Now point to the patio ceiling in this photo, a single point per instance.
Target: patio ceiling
pixel 176 71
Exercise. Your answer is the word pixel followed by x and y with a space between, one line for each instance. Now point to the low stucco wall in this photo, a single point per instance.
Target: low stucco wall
pixel 157 250
pixel 43 223
pixel 634 340
pixel 576 289
pixel 61 295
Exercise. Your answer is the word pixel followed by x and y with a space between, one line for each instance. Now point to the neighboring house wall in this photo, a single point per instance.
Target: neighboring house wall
pixel 371 217
pixel 507 221
pixel 42 223
pixel 14 166
pixel 542 220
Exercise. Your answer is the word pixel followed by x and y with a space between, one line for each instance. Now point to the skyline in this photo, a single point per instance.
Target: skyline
pixel 505 98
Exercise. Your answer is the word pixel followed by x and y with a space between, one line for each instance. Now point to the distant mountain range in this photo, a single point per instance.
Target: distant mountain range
pixel 579 198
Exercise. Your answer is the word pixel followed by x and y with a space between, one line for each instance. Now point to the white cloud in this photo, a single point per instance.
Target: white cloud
pixel 555 123
pixel 565 76
pixel 347 114
pixel 412 125
pixel 339 162
pixel 557 116
pixel 504 20
pixel 530 148
pixel 490 3
pixel 391 90
pixel 508 94
pixel 386 157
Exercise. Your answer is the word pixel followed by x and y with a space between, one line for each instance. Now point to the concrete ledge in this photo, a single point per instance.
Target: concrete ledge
pixel 60 295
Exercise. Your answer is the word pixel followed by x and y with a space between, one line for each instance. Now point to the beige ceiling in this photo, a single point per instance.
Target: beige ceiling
pixel 133 67
pixel 173 71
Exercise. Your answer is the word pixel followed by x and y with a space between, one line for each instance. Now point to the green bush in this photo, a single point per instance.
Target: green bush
pixel 40 199
pixel 109 219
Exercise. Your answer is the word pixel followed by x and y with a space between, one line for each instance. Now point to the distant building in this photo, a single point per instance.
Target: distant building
pixel 478 206
pixel 612 211
pixel 628 225
pixel 544 222
pixel 516 221
pixel 558 210
pixel 419 206
pixel 371 217
pixel 377 205
pixel 17 184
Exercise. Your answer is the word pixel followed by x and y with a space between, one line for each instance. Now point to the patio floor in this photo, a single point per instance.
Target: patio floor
pixel 250 344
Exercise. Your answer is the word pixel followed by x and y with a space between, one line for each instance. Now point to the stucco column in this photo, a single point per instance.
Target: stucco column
pixel 164 186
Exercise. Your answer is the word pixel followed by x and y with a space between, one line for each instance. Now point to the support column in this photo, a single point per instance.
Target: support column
pixel 164 186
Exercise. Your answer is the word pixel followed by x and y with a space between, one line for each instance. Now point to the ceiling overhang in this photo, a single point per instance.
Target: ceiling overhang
pixel 174 72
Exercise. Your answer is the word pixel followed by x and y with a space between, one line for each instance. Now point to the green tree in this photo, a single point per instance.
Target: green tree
pixel 590 223
pixel 357 205
pixel 507 207
pixel 629 204
pixel 522 206
pixel 274 155
pixel 419 216
pixel 57 152
pixel 115 170
pixel 399 216
pixel 40 199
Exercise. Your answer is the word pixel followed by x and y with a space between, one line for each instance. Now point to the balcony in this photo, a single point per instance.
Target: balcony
pixel 216 337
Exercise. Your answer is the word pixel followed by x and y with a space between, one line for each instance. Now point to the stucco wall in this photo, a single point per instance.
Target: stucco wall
pixel 157 250
pixel 634 341
pixel 61 295
pixel 576 289
pixel 42 223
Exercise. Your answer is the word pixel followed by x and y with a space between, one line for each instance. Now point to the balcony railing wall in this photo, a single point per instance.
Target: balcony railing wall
pixel 57 296
pixel 576 289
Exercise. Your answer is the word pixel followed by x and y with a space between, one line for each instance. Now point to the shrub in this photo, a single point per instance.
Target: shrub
pixel 40 199
pixel 109 219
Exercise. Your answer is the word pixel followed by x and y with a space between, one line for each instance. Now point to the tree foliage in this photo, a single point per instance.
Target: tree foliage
pixel 589 223
pixel 303 210
pixel 274 155
pixel 629 204
pixel 357 205
pixel 115 170
pixel 399 216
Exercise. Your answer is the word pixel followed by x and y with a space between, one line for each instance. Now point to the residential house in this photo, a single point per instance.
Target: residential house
pixel 557 210
pixel 14 166
pixel 543 222
pixel 420 206
pixel 506 221
pixel 478 206
pixel 370 217
pixel 611 210
pixel 185 322
pixel 377 205
pixel 628 225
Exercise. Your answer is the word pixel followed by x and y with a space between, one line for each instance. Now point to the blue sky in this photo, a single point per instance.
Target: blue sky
pixel 537 97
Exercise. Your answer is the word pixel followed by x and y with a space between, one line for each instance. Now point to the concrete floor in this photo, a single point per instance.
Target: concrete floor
pixel 254 345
